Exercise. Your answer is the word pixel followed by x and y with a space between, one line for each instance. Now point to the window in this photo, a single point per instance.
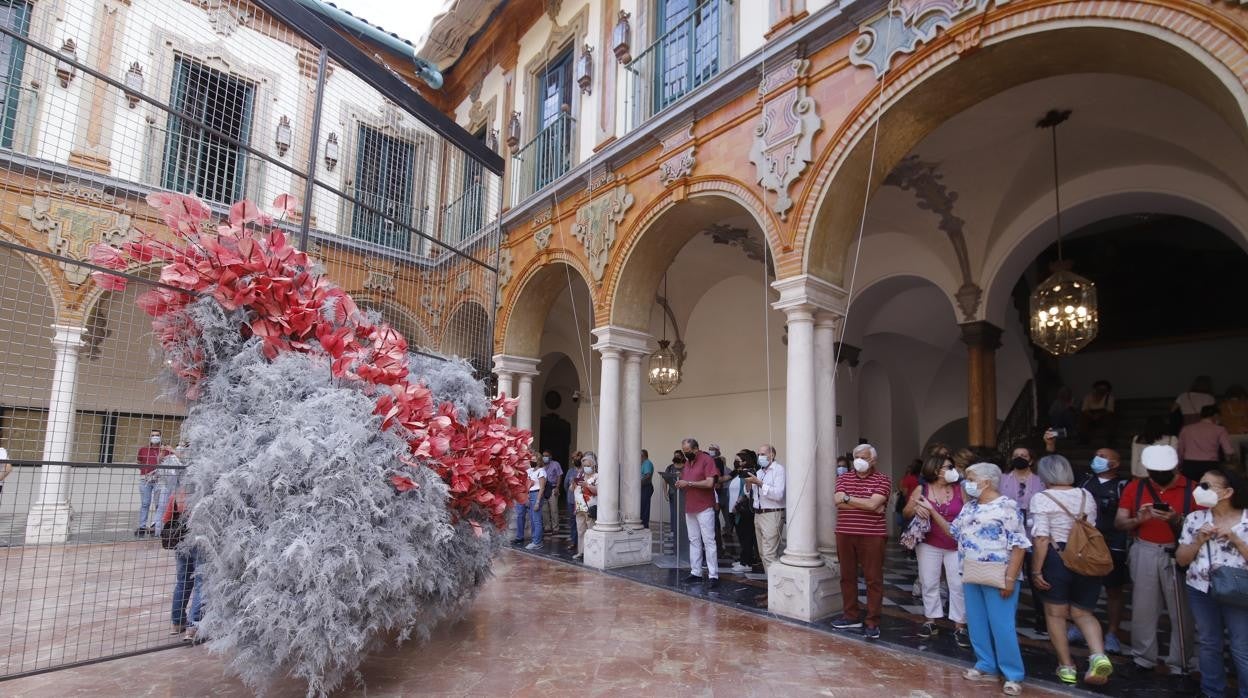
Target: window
pixel 688 47
pixel 384 180
pixel 466 213
pixel 552 147
pixel 197 161
pixel 14 15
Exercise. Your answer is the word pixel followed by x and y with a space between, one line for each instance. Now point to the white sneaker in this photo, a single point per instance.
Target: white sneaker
pixel 532 546
pixel 739 568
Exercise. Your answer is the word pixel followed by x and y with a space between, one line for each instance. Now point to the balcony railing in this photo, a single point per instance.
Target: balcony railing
pixel 685 57
pixel 543 159
pixel 463 217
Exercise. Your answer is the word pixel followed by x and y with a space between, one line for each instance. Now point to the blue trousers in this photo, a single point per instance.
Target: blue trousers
pixel 533 513
pixel 187 589
pixel 147 491
pixel 990 623
pixel 1212 618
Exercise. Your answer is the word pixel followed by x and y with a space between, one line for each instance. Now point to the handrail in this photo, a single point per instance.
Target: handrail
pixel 655 86
pixel 545 158
pixel 1020 422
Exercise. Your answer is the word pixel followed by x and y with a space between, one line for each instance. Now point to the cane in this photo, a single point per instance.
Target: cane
pixel 1177 607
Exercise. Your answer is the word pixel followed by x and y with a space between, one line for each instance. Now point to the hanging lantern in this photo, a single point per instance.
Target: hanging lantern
pixel 1063 307
pixel 664 369
pixel 1063 313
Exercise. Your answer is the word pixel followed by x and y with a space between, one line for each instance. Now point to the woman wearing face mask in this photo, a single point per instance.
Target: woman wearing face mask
pixel 1214 538
pixel 1065 592
pixel 586 498
pixel 842 466
pixel 991 545
pixel 939 494
pixel 743 511
pixel 1021 484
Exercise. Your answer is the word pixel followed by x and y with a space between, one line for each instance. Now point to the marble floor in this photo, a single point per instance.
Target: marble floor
pixel 544 627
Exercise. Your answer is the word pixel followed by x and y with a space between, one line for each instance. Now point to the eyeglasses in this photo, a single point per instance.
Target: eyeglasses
pixel 1210 486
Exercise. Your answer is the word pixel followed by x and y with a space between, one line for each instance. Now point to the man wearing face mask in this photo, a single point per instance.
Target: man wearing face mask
pixel 861 532
pixel 1152 510
pixel 767 491
pixel 1022 483
pixel 550 502
pixel 149 457
pixel 698 479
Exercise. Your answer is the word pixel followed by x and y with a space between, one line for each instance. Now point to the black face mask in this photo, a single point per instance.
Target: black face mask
pixel 1020 464
pixel 1161 477
pixel 689 455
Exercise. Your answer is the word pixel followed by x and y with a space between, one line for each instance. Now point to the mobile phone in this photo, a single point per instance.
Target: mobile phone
pixel 1058 432
pixel 1161 506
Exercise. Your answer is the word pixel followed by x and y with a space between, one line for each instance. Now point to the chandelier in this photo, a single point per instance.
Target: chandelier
pixel 664 363
pixel 1063 307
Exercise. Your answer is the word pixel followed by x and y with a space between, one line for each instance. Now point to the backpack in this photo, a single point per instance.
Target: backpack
pixel 1086 552
pixel 172 533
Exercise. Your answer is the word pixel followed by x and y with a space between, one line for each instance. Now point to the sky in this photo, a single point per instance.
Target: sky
pixel 408 18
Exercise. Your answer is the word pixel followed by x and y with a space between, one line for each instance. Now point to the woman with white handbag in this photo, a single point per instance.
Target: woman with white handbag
pixel 991 544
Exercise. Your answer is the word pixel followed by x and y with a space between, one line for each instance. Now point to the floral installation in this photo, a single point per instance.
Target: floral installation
pixel 344 490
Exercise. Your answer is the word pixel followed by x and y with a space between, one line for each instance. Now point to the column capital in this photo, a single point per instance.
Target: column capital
pixel 981 334
pixel 623 340
pixel 809 294
pixel 516 365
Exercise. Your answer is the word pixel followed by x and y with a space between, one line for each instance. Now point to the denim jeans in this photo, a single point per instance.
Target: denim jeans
pixel 146 491
pixel 187 588
pixel 1212 618
pixel 533 513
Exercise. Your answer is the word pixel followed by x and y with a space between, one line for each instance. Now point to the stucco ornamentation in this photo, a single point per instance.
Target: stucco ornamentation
pixel 72 219
pixel 504 273
pixel 677 167
pixel 784 136
pixel 905 26
pixel 380 275
pixel 596 225
pixel 433 302
pixel 224 17
pixel 542 217
pixel 542 238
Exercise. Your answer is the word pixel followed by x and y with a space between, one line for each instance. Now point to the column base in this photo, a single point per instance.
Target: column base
pixel 828 553
pixel 608 549
pixel 804 593
pixel 48 523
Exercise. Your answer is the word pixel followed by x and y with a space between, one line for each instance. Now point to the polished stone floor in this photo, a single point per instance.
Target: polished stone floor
pixel 544 627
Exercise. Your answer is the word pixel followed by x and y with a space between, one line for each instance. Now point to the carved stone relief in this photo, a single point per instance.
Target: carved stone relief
pixel 380 275
pixel 434 303
pixel 542 217
pixel 542 238
pixel 785 133
pixel 72 219
pixel 504 273
pixel 901 29
pixel 596 225
pixel 599 177
pixel 677 167
pixel 225 17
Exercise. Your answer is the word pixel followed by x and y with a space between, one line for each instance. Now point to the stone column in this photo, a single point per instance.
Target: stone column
pixel 826 325
pixel 515 380
pixel 609 543
pixel 982 341
pixel 524 409
pixel 48 520
pixel 630 442
pixel 801 586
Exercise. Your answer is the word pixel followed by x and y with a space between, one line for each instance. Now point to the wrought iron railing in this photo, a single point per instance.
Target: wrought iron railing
pixel 465 216
pixel 686 56
pixel 1020 422
pixel 544 159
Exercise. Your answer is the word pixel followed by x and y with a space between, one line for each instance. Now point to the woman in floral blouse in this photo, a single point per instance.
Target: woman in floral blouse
pixel 990 530
pixel 1212 538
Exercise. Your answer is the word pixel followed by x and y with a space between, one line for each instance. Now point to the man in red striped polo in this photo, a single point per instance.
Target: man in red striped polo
pixel 861 531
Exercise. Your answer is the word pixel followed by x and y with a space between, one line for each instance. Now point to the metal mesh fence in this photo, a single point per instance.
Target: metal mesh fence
pixel 102 103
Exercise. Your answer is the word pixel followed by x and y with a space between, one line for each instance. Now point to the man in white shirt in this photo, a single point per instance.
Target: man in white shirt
pixel 768 494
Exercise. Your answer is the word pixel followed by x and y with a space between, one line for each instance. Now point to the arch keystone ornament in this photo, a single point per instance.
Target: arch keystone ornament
pixel 785 133
pixel 596 225
pixel 902 28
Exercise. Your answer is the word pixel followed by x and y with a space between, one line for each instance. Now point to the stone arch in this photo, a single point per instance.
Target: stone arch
pixel 467 335
pixel 523 317
pixel 1102 195
pixel 399 316
pixel 44 268
pixel 647 249
pixel 1188 48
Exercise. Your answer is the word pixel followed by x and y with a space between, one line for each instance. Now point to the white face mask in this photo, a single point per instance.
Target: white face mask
pixel 1205 498
pixel 862 465
pixel 764 461
pixel 155 439
pixel 589 469
pixel 714 453
pixel 951 476
pixel 841 470
pixel 972 488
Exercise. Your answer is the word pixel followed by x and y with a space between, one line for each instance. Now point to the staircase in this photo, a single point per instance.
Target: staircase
pixel 1132 415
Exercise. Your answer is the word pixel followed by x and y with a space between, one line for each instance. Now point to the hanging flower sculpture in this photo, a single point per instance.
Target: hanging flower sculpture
pixel 344 489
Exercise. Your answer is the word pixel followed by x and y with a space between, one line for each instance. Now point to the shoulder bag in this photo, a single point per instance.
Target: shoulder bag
pixel 172 533
pixel 1227 585
pixel 989 574
pixel 1086 552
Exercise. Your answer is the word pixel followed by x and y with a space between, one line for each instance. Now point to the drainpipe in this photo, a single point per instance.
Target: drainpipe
pixel 427 71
